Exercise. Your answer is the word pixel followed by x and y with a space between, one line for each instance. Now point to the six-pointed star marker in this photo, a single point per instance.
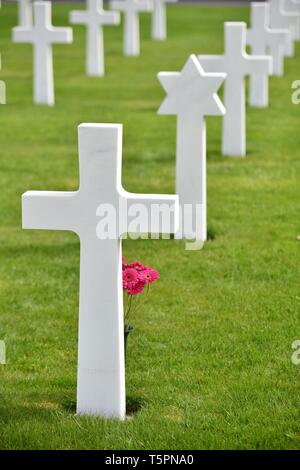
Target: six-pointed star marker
pixel 192 91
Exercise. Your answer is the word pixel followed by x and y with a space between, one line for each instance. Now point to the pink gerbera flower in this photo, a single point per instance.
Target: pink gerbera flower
pixel 136 265
pixel 130 278
pixel 137 288
pixel 149 275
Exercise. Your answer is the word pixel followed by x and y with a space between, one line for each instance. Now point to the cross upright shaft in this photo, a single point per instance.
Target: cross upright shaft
pixel 131 10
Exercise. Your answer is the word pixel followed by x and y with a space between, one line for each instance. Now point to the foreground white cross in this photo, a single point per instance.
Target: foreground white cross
pixel 94 17
pixel 131 9
pixel 263 40
pixel 237 64
pixel 42 35
pixel 159 19
pixel 99 202
pixel 191 95
pixel 281 19
pixel 25 12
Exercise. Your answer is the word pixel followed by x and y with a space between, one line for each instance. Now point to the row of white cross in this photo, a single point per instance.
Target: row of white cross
pixel 35 27
pixel 272 31
pixel 191 95
pixel 95 17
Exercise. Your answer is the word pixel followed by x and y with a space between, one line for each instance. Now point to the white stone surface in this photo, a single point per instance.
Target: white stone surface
pixel 191 95
pixel 282 20
pixel 25 12
pixel 101 369
pixel 263 40
pixel 131 10
pixel 237 64
pixel 159 19
pixel 291 6
pixel 94 18
pixel 42 35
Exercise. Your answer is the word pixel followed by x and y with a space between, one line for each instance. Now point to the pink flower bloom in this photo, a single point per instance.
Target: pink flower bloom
pixel 136 265
pixel 130 278
pixel 149 275
pixel 137 288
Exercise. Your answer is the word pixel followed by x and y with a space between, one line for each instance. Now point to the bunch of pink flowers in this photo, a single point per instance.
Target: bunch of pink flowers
pixel 136 276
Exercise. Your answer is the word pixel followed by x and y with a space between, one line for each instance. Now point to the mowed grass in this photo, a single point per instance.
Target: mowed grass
pixel 209 364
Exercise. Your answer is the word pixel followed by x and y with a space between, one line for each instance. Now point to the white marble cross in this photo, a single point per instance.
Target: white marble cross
pixel 25 12
pixel 263 40
pixel 159 19
pixel 237 64
pixel 100 202
pixel 281 19
pixel 131 9
pixel 42 35
pixel 94 17
pixel 191 95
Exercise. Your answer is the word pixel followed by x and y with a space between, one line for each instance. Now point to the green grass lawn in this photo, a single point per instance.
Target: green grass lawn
pixel 209 364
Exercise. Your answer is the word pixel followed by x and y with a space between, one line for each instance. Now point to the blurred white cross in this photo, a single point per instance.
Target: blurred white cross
pixel 131 10
pixel 264 40
pixel 42 35
pixel 159 19
pixel 281 19
pixel 94 18
pixel 237 64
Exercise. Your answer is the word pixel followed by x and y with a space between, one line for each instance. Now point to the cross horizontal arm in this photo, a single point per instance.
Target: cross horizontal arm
pixel 79 17
pixel 20 34
pixel 259 65
pixel 49 210
pixel 58 35
pixel 110 17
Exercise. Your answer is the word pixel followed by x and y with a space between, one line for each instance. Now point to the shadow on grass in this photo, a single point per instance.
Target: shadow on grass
pixel 134 405
pixel 211 234
pixel 69 406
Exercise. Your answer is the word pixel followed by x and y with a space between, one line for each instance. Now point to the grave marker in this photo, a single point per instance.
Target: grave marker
pixel 263 40
pixel 237 64
pixel 159 19
pixel 191 95
pixel 42 35
pixel 131 10
pixel 282 20
pixel 94 18
pixel 101 369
